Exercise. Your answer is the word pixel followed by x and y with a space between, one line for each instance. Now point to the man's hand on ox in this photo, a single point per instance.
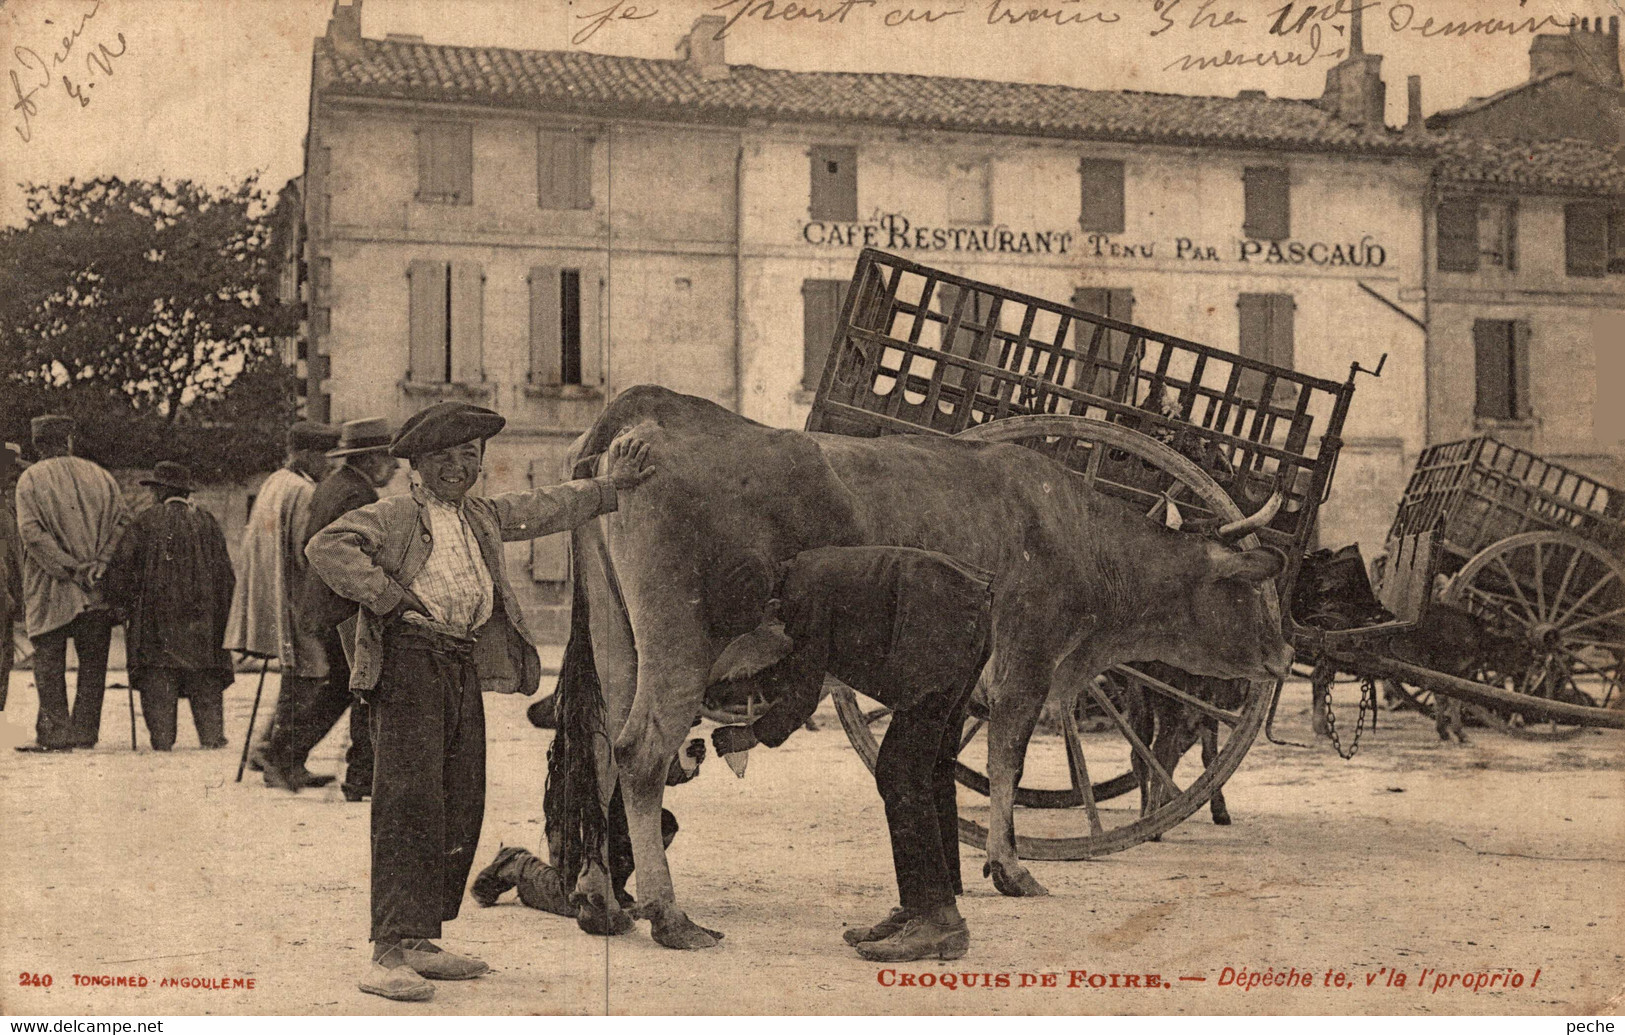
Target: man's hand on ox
pixel 686 766
pixel 629 462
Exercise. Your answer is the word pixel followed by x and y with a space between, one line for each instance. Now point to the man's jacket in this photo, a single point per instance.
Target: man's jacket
pixel 372 555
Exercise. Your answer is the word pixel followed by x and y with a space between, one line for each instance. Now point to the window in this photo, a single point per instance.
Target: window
pixel 821 302
pixel 1266 335
pixel 1102 209
pixel 558 355
pixel 1268 200
pixel 1501 369
pixel 969 199
pixel 446 163
pixel 446 322
pixel 834 183
pixel 563 169
pixel 1594 238
pixel 1476 233
pixel 1114 304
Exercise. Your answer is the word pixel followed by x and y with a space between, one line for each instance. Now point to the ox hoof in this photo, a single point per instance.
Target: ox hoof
pixel 594 917
pixel 1015 882
pixel 680 932
pixel 1221 819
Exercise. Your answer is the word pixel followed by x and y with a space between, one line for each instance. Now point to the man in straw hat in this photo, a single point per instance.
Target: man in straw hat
pixel 69 516
pixel 171 578
pixel 438 623
pixel 271 568
pixel 366 467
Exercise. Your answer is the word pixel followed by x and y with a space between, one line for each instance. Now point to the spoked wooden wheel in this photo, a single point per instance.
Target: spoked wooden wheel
pixel 1554 605
pixel 1060 813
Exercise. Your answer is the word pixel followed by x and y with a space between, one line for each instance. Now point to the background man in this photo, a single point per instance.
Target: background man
pixel 910 629
pixel 438 623
pixel 11 565
pixel 271 569
pixel 171 578
pixel 69 516
pixel 366 468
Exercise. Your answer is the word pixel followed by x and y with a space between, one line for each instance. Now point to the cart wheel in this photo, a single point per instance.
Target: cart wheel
pixel 1558 602
pixel 1050 824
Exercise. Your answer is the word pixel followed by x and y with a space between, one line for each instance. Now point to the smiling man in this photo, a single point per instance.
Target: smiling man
pixel 438 623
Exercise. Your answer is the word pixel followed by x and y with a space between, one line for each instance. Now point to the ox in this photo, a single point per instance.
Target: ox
pixel 1081 582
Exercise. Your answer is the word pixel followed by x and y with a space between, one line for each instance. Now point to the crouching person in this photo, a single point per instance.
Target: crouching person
pixel 439 623
pixel 909 628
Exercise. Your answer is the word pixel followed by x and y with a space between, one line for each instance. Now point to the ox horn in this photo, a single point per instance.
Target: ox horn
pixel 1253 522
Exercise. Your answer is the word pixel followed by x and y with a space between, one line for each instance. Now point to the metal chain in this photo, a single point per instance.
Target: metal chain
pixel 1368 704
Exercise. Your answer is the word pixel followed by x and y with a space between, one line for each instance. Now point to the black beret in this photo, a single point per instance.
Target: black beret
pixel 309 434
pixel 444 425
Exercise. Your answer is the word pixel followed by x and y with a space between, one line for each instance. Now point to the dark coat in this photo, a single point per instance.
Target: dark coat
pixel 171 578
pixel 317 608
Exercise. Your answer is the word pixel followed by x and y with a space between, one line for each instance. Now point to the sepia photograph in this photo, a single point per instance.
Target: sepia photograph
pixel 812 507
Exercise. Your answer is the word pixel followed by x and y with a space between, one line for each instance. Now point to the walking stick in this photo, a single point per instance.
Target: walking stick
pixel 248 738
pixel 131 688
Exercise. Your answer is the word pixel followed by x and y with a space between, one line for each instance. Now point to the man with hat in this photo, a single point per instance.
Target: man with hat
pixel 439 623
pixel 367 467
pixel 171 579
pixel 11 564
pixel 69 516
pixel 271 568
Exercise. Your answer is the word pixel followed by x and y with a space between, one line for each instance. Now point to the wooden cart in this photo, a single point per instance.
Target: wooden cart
pixel 1163 423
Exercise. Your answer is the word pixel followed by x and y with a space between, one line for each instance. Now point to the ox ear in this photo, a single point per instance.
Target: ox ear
pixel 1252 566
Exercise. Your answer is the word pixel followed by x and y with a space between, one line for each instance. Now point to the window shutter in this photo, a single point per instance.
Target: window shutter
pixel 467 323
pixel 544 325
pixel 1616 241
pixel 461 159
pixel 834 190
pixel 427 320
pixel 1456 231
pixel 1282 313
pixel 1268 203
pixel 821 310
pixel 1511 236
pixel 1492 370
pixel 563 169
pixel 1255 326
pixel 1585 238
pixel 1102 195
pixel 1522 404
pixel 592 344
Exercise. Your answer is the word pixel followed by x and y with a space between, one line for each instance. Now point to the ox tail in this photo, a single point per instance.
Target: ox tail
pixel 575 825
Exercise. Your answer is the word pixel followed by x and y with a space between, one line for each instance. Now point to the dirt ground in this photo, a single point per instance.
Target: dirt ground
pixel 1500 857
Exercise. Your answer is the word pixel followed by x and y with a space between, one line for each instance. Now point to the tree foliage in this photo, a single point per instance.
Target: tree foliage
pixel 150 311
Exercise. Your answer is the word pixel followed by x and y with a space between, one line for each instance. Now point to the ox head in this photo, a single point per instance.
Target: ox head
pixel 1216 618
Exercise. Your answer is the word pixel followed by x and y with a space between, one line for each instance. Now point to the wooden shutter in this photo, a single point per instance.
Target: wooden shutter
pixel 1616 241
pixel 467 323
pixel 1102 207
pixel 1456 233
pixel 1255 326
pixel 1268 203
pixel 1493 374
pixel 834 193
pixel 446 162
pixel 1522 403
pixel 821 310
pixel 1509 236
pixel 563 169
pixel 544 325
pixel 1283 309
pixel 427 358
pixel 592 344
pixel 1585 238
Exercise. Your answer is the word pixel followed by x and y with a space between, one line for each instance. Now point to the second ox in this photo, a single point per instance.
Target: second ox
pixel 1081 583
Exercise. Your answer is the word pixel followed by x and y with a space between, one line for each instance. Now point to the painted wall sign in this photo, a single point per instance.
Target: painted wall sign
pixel 894 232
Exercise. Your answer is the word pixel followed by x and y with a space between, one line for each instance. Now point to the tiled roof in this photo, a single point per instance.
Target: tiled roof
pixel 1442 119
pixel 601 83
pixel 1564 165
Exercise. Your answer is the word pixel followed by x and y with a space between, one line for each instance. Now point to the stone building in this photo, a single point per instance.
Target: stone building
pixel 537 231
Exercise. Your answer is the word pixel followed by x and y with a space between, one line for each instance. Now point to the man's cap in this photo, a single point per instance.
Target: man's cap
pixel 309 434
pixel 443 425
pixel 367 435
pixel 170 474
pixel 51 427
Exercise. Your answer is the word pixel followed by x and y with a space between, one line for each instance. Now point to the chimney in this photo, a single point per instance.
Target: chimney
pixel 1413 103
pixel 344 27
pixel 702 48
pixel 1589 49
pixel 1355 91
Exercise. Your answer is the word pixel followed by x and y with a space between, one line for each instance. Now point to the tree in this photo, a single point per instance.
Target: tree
pixel 150 310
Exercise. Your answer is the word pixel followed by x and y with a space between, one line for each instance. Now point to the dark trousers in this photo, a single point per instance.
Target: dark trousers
pixel 90 632
pixel 915 774
pixel 161 689
pixel 315 707
pixel 428 790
